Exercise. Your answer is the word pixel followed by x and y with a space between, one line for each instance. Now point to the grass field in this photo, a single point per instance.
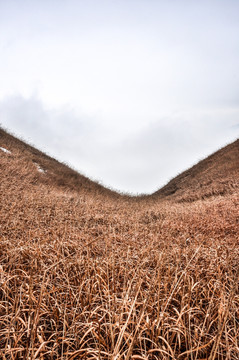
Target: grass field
pixel 87 273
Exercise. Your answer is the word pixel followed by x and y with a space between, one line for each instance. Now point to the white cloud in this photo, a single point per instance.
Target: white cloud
pixel 117 82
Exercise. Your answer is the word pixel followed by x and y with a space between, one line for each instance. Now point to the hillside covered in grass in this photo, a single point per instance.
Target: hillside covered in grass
pixel 87 273
pixel 215 175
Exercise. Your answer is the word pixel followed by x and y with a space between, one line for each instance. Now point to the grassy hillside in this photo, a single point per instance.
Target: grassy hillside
pixel 57 174
pixel 215 175
pixel 88 274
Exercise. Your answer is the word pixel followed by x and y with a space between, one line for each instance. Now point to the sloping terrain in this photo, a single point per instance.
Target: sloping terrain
pixel 88 274
pixel 215 175
pixel 58 174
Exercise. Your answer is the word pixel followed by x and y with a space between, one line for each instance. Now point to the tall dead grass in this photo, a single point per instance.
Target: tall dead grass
pixel 89 275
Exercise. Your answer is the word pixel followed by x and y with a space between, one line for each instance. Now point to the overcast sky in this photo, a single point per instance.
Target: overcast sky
pixel 128 92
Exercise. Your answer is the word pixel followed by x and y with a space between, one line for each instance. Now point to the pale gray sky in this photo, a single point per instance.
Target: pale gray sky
pixel 128 92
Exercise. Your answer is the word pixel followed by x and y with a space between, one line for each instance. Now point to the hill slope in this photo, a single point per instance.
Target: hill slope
pixel 41 168
pixel 218 174
pixel 88 274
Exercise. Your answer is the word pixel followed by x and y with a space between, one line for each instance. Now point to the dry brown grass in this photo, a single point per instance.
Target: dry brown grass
pixel 88 274
pixel 213 176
